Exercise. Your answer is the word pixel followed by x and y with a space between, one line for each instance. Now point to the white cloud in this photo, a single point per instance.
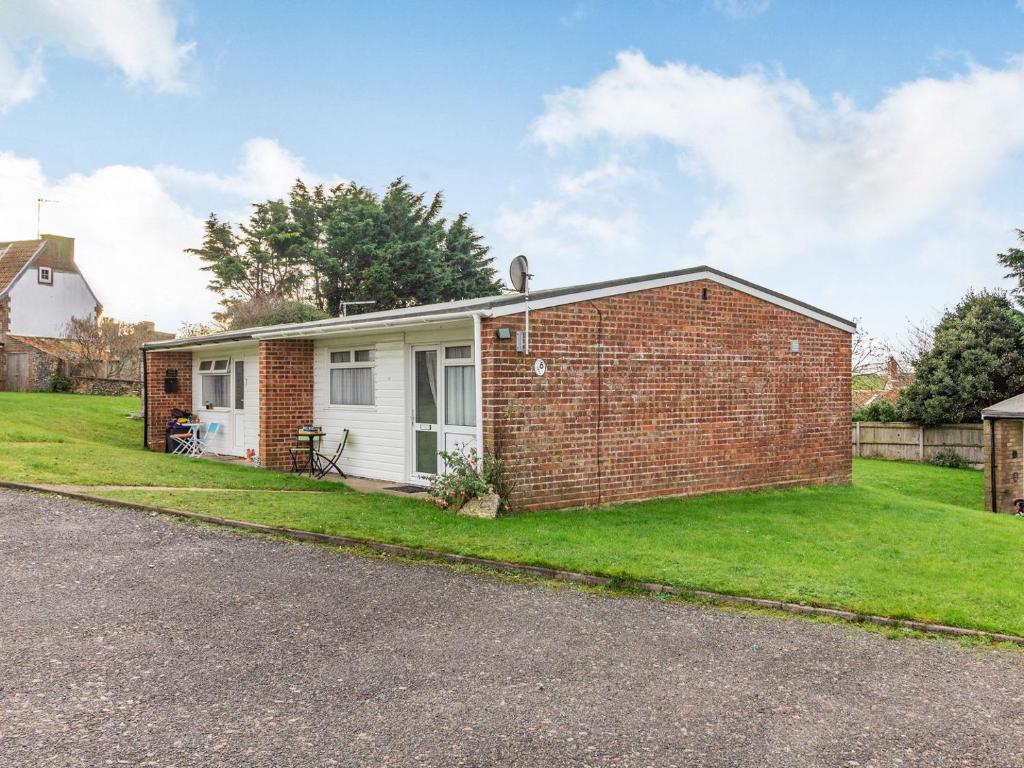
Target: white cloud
pixel 608 175
pixel 138 37
pixel 551 229
pixel 743 9
pixel 129 236
pixel 267 170
pixel 131 231
pixel 792 174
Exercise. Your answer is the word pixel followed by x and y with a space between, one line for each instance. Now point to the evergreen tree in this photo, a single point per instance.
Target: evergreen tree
pixel 977 359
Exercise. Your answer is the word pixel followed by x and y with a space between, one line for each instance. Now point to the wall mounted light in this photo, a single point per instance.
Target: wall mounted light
pixel 504 334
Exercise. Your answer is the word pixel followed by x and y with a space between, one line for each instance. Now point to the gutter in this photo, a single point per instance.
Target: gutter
pixel 374 325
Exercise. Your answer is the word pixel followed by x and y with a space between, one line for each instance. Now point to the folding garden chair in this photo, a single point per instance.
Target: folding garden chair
pixel 202 443
pixel 325 463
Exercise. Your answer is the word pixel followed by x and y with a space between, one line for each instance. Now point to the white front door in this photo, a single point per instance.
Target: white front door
pixel 238 410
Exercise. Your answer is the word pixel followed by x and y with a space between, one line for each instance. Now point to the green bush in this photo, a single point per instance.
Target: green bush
pixel 460 483
pixel 880 410
pixel 60 383
pixel 947 457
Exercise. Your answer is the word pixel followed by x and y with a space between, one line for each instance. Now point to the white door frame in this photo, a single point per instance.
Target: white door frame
pixel 441 428
pixel 238 414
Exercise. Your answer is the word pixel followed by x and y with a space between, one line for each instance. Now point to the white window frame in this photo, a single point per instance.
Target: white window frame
pixel 48 278
pixel 443 387
pixel 220 366
pixel 353 363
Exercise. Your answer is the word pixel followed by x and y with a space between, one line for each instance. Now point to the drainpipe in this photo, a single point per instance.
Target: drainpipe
pixel 145 400
pixel 992 460
pixel 478 354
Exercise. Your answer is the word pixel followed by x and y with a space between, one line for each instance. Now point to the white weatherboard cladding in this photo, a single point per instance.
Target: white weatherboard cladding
pixel 44 310
pixel 224 442
pixel 379 435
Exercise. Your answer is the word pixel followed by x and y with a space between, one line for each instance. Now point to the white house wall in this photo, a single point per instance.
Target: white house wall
pixel 224 442
pixel 379 435
pixel 44 310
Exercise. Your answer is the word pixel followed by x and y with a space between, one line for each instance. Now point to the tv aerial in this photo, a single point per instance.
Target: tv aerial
pixel 519 274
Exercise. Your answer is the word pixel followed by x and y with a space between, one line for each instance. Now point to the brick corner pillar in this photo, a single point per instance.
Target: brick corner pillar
pixel 286 397
pixel 157 401
pixel 1008 476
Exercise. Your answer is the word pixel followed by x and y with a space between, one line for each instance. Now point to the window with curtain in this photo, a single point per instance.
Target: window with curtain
pixel 352 377
pixel 459 386
pixel 215 390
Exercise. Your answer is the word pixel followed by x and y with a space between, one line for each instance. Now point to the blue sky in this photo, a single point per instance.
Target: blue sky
pixel 865 157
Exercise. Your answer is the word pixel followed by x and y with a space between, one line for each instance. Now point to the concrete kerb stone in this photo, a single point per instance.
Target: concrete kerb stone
pixel 539 571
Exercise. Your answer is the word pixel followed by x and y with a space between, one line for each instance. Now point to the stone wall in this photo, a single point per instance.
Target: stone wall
pixel 679 390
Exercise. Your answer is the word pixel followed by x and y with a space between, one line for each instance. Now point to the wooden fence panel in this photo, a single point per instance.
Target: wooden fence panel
pixel 902 441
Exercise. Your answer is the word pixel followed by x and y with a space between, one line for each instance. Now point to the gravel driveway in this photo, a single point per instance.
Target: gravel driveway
pixel 129 639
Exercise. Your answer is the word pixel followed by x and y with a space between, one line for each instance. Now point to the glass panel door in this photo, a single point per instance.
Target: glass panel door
pixel 426 425
pixel 238 419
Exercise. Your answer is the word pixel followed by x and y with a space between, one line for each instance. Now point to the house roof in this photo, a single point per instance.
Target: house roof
pixel 513 303
pixel 16 256
pixel 14 259
pixel 1011 408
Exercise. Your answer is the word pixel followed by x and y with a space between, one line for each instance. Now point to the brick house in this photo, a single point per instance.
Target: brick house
pixel 1003 441
pixel 677 383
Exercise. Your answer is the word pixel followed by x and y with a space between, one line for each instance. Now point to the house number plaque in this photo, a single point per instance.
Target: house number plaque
pixel 540 367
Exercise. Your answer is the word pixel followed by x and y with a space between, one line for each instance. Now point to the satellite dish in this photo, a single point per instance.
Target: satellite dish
pixel 519 272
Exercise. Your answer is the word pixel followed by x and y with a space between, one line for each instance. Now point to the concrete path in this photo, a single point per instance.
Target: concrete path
pixel 130 639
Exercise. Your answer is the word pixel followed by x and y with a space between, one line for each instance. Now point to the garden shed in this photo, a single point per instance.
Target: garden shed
pixel 1004 454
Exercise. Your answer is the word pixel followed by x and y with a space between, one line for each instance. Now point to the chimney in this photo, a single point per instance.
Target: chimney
pixel 892 372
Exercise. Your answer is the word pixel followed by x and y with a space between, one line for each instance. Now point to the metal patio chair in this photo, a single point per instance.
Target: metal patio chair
pixel 202 443
pixel 324 463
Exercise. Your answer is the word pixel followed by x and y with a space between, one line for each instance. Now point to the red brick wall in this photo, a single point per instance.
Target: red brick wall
pixel 286 397
pixel 1009 463
pixel 159 403
pixel 680 396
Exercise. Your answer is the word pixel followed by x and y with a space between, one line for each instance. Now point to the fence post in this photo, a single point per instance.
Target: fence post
pixel 920 444
pixel 857 425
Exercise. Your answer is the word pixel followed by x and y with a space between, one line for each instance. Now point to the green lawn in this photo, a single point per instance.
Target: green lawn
pixel 905 540
pixel 78 439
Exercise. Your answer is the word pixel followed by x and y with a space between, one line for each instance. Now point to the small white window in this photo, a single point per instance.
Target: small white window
pixel 351 373
pixel 214 366
pixel 216 383
pixel 46 276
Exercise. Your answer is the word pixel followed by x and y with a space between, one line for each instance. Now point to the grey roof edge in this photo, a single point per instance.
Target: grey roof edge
pixel 426 311
pixel 1010 408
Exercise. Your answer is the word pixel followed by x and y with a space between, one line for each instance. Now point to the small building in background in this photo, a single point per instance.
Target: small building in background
pixel 42 291
pixel 1004 454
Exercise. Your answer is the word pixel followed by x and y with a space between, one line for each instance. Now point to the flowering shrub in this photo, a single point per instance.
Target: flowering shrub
pixel 466 479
